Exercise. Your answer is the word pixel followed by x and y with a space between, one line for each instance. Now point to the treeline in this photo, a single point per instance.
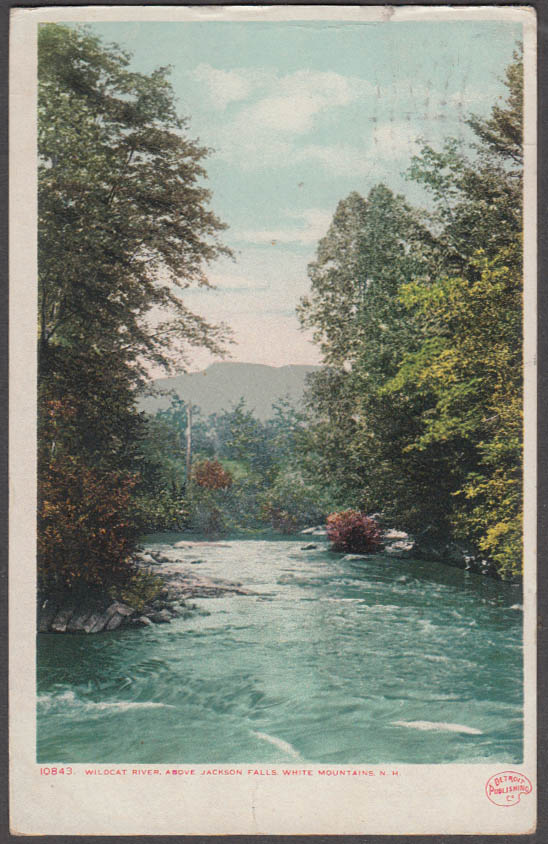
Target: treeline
pixel 418 312
pixel 246 474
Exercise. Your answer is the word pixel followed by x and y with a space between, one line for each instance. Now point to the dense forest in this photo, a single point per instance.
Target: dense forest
pixel 416 414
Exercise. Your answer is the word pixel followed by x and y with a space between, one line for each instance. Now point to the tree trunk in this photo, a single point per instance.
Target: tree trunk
pixel 188 444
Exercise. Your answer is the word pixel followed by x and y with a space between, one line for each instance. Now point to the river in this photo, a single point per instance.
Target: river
pixel 333 660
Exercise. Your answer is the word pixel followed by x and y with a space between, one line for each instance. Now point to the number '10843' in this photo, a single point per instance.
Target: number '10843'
pixel 54 771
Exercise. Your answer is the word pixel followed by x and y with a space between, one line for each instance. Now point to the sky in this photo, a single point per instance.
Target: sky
pixel 298 115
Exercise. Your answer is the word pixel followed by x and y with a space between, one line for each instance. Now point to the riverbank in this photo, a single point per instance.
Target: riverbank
pixel 178 586
pixel 99 614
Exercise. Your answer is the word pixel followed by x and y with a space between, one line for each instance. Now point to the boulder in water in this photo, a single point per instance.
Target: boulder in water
pixel 142 621
pixel 319 530
pixel 161 617
pixel 400 548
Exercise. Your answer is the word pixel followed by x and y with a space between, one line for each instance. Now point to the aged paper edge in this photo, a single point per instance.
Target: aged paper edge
pixel 420 799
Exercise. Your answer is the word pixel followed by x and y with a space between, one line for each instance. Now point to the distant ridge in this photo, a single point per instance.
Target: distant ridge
pixel 223 384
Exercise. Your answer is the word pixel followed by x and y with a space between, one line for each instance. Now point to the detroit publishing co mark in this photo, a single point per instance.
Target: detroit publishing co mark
pixel 506 788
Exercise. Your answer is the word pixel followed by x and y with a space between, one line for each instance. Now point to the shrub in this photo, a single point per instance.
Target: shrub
pixel 351 530
pixel 279 519
pixel 85 528
pixel 210 474
pixel 207 511
pixel 160 510
pixel 141 588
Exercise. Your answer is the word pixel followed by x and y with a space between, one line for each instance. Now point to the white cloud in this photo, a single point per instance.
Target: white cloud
pixel 311 225
pixel 269 109
pixel 224 86
pixel 339 159
pixel 280 95
pixel 234 283
pixel 273 117
pixel 393 140
pixel 293 114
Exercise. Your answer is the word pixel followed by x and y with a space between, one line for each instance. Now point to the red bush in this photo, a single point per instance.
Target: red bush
pixel 85 527
pixel 211 475
pixel 351 530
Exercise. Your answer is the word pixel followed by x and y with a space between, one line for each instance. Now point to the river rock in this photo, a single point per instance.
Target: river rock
pixel 319 530
pixel 400 548
pixel 61 620
pixel 113 617
pixel 393 535
pixel 114 622
pixel 146 559
pixel 77 623
pixel 95 623
pixel 46 613
pixel 142 621
pixel 308 547
pixel 161 617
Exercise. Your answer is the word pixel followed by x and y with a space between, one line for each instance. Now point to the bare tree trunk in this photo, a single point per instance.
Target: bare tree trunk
pixel 188 444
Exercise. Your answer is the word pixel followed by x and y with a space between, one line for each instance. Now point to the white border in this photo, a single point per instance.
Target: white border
pixel 421 799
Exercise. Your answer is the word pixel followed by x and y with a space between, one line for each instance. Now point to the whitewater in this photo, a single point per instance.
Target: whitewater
pixel 330 661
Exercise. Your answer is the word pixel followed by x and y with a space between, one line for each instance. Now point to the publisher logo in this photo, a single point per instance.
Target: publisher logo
pixel 506 788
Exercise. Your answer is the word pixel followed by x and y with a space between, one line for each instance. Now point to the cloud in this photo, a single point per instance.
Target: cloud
pixel 286 102
pixel 311 225
pixel 271 339
pixel 339 159
pixel 223 86
pixel 234 283
pixel 270 111
pixel 392 141
pixel 297 98
pixel 272 119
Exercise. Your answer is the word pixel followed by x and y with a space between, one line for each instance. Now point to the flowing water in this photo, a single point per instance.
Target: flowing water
pixel 334 660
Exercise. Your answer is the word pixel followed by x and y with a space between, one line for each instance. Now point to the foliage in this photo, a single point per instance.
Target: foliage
pixel 159 511
pixel 418 413
pixel 477 384
pixel 211 475
pixel 85 531
pixel 138 590
pixel 291 503
pixel 208 511
pixel 124 228
pixel 123 220
pixel 350 530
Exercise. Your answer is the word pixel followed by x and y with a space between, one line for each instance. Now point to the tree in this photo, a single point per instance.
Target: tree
pixel 371 247
pixel 478 191
pixel 358 435
pixel 419 319
pixel 124 228
pixel 124 222
pixel 470 358
pixel 475 373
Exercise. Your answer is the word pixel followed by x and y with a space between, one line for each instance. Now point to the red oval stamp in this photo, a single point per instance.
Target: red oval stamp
pixel 506 788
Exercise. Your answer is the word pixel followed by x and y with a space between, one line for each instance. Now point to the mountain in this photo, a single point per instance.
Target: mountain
pixel 222 385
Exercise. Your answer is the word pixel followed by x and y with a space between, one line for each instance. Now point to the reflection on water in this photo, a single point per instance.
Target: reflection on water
pixel 333 661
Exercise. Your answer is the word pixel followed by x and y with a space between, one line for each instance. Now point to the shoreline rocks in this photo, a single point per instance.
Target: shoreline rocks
pixel 99 614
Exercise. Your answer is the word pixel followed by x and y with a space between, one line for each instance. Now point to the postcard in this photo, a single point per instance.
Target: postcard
pixel 273 396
